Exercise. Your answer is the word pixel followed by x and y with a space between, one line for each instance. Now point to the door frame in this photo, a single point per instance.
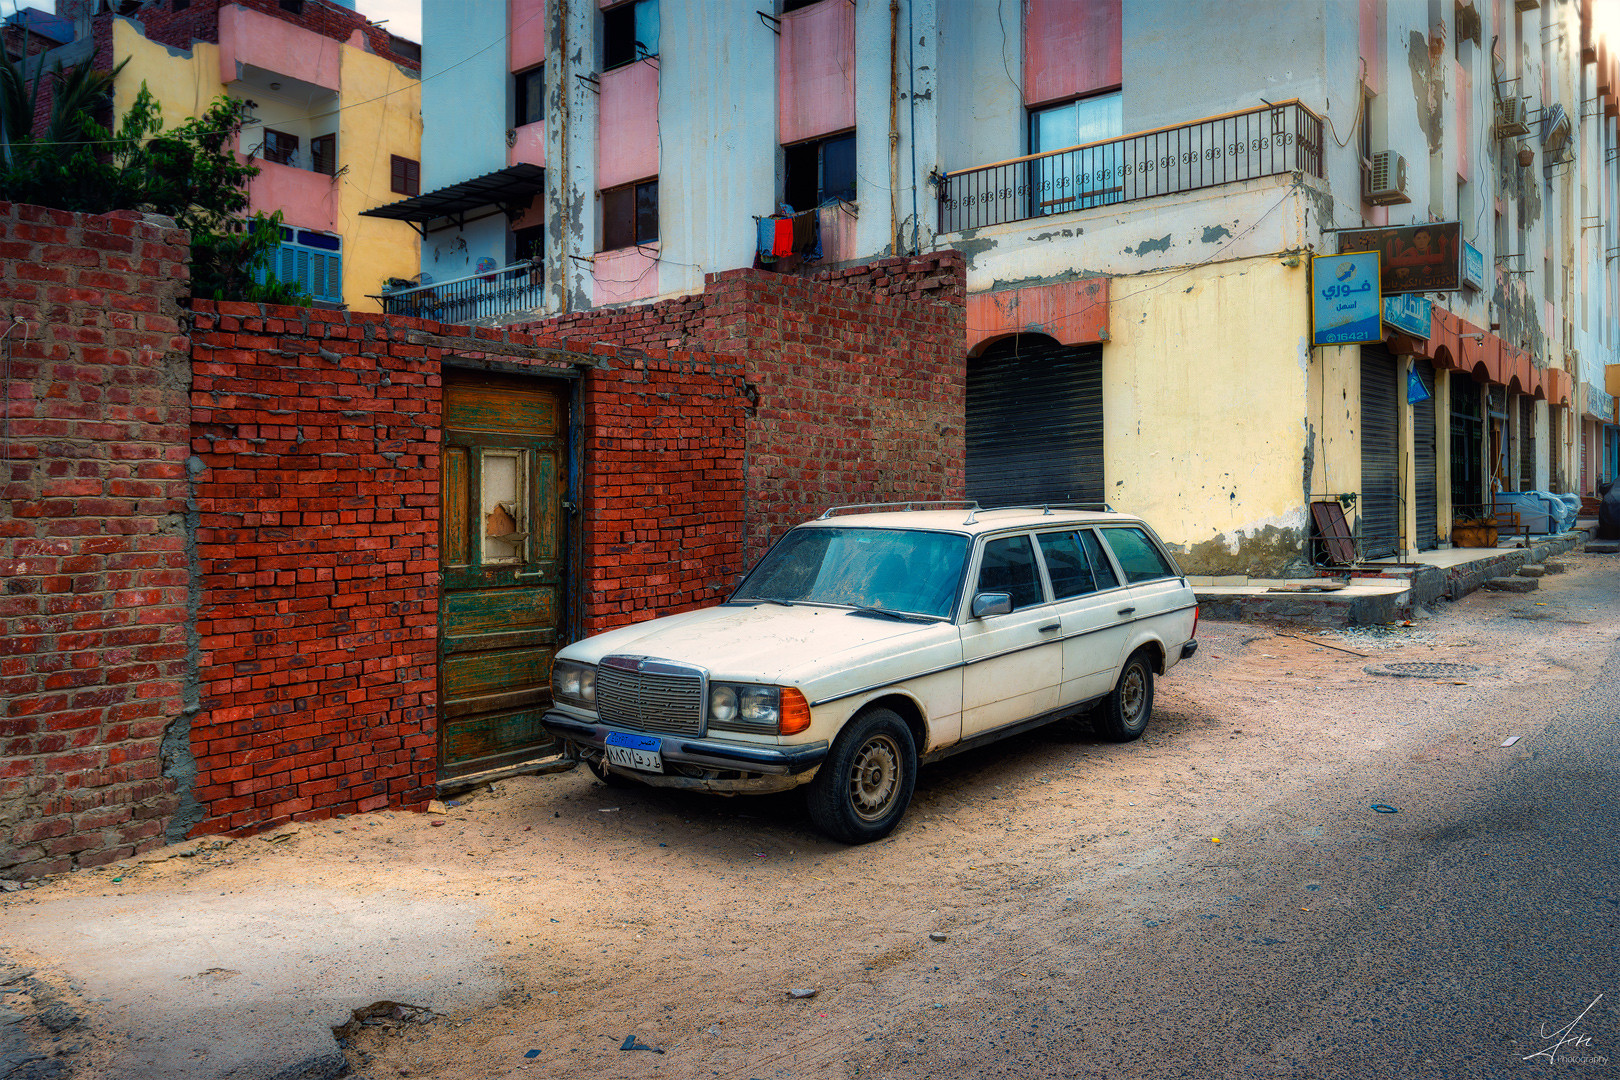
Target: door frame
pixel 571 542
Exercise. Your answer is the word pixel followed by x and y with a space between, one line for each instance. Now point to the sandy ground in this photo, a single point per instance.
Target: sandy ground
pixel 546 919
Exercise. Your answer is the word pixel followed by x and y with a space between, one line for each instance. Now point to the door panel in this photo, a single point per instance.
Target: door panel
pixel 502 571
pixel 1087 596
pixel 1013 662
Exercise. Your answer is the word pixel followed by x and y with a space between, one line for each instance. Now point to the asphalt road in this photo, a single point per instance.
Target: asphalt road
pixel 1473 933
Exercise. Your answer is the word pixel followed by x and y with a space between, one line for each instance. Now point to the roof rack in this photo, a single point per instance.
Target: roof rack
pixel 1044 508
pixel 909 504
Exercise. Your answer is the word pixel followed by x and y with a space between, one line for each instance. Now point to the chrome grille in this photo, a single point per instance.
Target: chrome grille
pixel 649 695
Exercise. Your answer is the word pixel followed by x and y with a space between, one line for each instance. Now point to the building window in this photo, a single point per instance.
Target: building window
pixel 313 260
pixel 819 171
pixel 528 96
pixel 529 243
pixel 629 33
pixel 293 7
pixel 405 176
pixel 630 215
pixel 1090 177
pixel 279 147
pixel 323 153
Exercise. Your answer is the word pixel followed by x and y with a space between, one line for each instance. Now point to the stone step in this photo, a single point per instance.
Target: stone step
pixel 1514 584
pixel 1534 570
pixel 1553 566
pixel 1603 547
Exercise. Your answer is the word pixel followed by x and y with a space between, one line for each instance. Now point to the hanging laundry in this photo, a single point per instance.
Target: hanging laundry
pixel 767 238
pixel 804 231
pixel 783 242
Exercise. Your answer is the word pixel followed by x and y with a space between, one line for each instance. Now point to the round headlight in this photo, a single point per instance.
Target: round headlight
pixel 587 685
pixel 722 703
pixel 565 680
pixel 757 704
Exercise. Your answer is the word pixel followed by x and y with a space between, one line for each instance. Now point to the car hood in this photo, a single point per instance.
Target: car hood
pixel 763 642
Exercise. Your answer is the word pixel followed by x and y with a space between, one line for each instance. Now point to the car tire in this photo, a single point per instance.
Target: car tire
pixel 600 770
pixel 1124 713
pixel 864 786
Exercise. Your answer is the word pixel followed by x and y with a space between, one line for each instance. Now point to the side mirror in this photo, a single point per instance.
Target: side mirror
pixel 986 604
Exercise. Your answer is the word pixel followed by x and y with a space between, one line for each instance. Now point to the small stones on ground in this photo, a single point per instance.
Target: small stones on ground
pixel 436 824
pixel 936 936
pixel 805 993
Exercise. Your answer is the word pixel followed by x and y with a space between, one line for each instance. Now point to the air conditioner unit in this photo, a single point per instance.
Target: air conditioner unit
pixel 1510 118
pixel 1555 129
pixel 1385 179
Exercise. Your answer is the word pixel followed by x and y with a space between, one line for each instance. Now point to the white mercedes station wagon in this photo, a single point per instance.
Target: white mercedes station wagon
pixel 872 640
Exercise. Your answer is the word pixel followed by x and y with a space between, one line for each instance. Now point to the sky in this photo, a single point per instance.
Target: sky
pixel 404 16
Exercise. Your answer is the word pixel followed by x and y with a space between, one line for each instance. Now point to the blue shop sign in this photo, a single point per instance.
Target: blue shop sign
pixel 1473 267
pixel 1345 308
pixel 1409 313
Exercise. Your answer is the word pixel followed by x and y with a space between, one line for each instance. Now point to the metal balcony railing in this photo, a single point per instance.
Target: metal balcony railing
pixel 1264 141
pixel 518 287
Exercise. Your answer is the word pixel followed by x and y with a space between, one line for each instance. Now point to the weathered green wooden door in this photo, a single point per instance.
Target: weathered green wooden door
pixel 501 560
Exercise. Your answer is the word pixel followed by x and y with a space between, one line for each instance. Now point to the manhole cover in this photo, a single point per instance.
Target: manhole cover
pixel 1422 669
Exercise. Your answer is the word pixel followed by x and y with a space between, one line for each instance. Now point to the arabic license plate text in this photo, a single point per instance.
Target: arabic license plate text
pixel 639 752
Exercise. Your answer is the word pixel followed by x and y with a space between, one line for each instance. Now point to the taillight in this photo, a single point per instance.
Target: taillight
pixel 1195 624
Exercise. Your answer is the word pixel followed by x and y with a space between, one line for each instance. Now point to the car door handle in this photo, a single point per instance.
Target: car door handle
pixel 1127 611
pixel 1051 627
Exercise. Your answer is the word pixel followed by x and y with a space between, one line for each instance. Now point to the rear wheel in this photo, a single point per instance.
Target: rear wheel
pixel 863 788
pixel 1123 714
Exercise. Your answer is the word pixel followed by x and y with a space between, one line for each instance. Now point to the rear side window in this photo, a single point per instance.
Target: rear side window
pixel 1068 565
pixel 1009 567
pixel 1099 561
pixel 1138 556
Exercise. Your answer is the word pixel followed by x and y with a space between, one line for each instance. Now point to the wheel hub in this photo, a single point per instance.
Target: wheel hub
pixel 875 777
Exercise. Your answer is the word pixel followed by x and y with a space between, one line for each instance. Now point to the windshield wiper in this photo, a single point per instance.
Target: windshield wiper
pixel 762 600
pixel 898 616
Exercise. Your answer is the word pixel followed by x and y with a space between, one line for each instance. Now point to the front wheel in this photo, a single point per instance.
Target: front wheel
pixel 865 785
pixel 1123 715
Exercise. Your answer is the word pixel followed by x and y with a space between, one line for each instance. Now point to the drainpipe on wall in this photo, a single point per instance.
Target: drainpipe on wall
pixel 894 127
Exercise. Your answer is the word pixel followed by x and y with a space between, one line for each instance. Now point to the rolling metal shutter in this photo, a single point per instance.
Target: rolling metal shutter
pixel 1380 477
pixel 1425 464
pixel 1035 423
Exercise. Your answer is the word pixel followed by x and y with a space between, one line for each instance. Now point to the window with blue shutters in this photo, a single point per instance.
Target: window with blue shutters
pixel 312 259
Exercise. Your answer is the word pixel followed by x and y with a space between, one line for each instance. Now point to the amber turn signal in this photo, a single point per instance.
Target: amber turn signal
pixel 795 712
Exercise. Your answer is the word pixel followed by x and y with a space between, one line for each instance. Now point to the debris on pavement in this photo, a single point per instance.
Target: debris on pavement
pixel 936 936
pixel 631 1044
pixel 1510 740
pixel 1384 808
pixel 801 993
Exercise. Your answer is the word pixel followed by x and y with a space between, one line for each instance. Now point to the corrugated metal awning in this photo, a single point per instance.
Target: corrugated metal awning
pixel 511 189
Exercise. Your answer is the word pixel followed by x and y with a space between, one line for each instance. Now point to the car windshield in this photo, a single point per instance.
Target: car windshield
pixel 889 569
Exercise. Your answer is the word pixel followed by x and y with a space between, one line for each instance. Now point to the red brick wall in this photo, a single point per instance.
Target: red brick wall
pixel 861 398
pixel 317 439
pixel 663 520
pixel 93 648
pixel 858 376
pixel 317 547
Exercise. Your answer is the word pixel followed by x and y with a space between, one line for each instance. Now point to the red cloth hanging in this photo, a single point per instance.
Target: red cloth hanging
pixel 782 244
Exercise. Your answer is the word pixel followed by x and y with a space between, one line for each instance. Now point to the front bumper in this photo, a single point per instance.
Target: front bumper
pixel 700 753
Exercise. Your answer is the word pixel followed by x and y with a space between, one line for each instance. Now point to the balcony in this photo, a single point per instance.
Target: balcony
pixel 491 294
pixel 1247 145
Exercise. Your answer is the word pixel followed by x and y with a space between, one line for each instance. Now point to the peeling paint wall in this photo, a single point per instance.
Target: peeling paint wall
pixel 1203 405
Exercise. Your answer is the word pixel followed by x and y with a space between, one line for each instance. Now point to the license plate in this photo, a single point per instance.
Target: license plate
pixel 635 751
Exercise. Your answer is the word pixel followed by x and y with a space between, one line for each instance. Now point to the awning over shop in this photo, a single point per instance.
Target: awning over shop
pixel 511 189
pixel 1456 344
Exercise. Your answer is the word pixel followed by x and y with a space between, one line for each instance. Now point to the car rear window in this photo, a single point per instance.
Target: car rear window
pixel 1138 556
